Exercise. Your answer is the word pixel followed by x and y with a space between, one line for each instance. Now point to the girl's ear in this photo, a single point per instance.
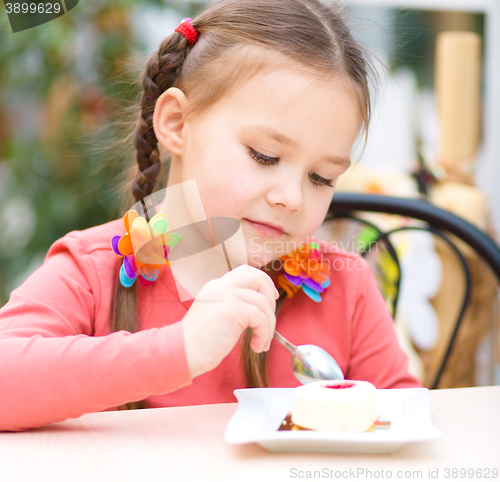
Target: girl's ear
pixel 168 119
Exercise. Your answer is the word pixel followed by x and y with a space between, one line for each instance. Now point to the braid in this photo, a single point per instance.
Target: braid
pixel 161 72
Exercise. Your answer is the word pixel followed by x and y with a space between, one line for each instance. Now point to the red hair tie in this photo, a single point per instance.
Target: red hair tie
pixel 186 29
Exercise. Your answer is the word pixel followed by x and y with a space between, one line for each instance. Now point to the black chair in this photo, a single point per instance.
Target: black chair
pixel 437 221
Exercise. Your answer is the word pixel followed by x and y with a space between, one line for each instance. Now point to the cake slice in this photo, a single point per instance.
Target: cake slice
pixel 341 405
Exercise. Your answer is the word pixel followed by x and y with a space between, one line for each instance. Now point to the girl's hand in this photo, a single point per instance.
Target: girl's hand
pixel 224 308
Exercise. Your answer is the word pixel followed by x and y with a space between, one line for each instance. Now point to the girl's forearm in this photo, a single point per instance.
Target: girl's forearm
pixel 48 379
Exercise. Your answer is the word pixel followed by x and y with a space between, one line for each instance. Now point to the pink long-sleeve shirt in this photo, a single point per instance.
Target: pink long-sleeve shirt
pixel 58 359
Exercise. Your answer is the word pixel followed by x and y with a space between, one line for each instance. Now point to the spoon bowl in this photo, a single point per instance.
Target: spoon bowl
pixel 311 363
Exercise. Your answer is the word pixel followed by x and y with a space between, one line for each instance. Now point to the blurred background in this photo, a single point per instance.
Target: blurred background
pixel 64 85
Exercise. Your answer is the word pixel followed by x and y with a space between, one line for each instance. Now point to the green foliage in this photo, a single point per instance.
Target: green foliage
pixel 61 86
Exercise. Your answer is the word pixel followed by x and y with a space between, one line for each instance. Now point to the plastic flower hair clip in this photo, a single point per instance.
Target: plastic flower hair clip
pixel 304 268
pixel 144 248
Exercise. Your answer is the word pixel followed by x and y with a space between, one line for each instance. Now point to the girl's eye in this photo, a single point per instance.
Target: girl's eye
pixel 261 158
pixel 320 181
pixel 266 160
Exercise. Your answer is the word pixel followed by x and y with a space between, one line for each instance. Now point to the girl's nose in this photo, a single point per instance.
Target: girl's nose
pixel 288 193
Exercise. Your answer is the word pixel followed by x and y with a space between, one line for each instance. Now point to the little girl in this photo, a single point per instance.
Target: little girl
pixel 259 102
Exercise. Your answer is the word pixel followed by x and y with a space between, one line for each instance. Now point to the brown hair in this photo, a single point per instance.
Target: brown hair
pixel 236 39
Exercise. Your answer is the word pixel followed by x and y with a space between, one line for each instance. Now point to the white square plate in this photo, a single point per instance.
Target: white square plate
pixel 261 410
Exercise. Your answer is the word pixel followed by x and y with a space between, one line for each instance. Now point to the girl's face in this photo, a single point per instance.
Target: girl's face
pixel 269 155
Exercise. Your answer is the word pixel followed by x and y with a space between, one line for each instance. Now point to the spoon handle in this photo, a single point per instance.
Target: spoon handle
pixel 281 339
pixel 277 336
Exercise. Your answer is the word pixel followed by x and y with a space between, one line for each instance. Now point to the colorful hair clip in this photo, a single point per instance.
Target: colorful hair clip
pixel 144 248
pixel 304 268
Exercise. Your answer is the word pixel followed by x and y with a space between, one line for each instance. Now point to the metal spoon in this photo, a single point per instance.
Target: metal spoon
pixel 310 363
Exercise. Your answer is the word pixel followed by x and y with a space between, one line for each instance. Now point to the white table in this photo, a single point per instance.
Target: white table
pixel 186 443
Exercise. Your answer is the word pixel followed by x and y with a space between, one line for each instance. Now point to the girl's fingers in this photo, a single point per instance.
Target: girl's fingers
pixel 262 303
pixel 259 323
pixel 245 276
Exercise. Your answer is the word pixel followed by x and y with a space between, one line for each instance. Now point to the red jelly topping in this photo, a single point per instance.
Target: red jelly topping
pixel 340 385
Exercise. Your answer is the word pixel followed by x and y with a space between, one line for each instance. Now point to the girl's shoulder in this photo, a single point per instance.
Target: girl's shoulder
pixel 92 245
pixel 88 250
pixel 84 263
pixel 96 237
pixel 71 292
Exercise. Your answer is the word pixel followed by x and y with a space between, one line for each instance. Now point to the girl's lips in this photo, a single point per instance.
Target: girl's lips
pixel 265 228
